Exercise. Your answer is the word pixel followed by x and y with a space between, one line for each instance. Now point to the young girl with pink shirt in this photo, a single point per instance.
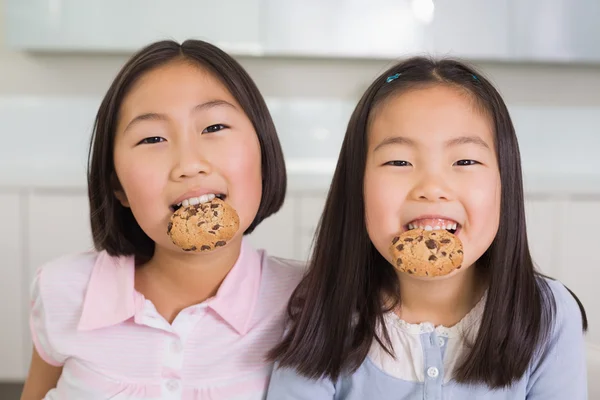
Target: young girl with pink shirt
pixel 141 318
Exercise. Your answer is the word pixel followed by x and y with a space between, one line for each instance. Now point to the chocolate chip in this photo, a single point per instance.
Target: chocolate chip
pixel 459 252
pixel 431 244
pixel 459 267
pixel 170 227
pixel 192 211
pixel 220 243
pixel 427 273
pixel 445 241
pixel 214 206
pixel 433 233
pixel 419 238
pixel 444 253
pixel 400 247
pixel 408 239
pixel 432 258
pixel 201 223
pixel 410 271
pixel 205 247
pixel 213 232
pixel 216 227
pixel 395 240
pixel 216 214
pixel 398 262
pixel 193 248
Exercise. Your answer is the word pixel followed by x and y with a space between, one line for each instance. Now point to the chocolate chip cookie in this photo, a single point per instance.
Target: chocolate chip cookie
pixel 203 227
pixel 427 253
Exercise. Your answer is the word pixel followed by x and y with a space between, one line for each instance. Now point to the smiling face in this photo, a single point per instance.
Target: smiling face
pixel 431 163
pixel 182 138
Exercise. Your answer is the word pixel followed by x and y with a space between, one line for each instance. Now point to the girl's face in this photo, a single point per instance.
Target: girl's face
pixel 180 135
pixel 431 163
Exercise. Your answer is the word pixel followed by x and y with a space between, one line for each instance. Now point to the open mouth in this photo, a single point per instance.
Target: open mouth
pixel 432 224
pixel 205 198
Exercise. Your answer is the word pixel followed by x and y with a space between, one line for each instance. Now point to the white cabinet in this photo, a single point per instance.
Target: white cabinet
pixel 276 234
pixel 542 221
pixel 116 25
pixel 556 30
pixel 310 210
pixel 58 225
pixel 13 289
pixel 468 28
pixel 387 28
pixel 339 28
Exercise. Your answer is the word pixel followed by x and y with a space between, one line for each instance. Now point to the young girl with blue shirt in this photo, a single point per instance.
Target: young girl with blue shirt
pixel 429 146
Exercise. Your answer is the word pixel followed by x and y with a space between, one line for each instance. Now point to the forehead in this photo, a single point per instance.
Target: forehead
pixel 174 83
pixel 430 115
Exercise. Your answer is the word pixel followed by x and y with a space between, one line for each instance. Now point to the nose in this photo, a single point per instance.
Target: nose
pixel 189 161
pixel 431 187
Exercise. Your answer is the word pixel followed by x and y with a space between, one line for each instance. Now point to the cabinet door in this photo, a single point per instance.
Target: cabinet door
pixel 341 28
pixel 542 220
pixel 116 25
pixel 311 209
pixel 467 28
pixel 13 293
pixel 387 28
pixel 556 30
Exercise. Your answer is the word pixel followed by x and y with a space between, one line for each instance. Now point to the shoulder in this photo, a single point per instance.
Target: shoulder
pixel 62 282
pixel 567 327
pixel 283 272
pixel 563 301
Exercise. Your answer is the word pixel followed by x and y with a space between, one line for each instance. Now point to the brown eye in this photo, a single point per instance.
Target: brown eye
pixel 463 163
pixel 152 140
pixel 214 128
pixel 398 163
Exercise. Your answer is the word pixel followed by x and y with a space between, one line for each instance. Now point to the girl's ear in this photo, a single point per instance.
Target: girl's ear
pixel 122 197
pixel 119 192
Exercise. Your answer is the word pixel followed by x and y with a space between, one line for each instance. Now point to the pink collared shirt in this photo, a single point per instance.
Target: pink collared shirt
pixel 112 344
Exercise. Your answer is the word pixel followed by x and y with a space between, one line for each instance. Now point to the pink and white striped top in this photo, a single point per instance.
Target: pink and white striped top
pixel 87 317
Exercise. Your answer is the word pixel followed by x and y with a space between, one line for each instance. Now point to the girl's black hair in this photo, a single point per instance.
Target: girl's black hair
pixel 114 228
pixel 337 307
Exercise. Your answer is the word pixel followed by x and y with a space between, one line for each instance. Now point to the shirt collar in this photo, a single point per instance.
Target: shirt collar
pixel 111 297
pixel 236 298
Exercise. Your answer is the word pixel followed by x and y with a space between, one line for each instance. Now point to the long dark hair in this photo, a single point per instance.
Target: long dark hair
pixel 337 307
pixel 114 228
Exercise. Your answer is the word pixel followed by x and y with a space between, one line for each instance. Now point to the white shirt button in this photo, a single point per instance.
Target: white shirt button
pixel 172 385
pixel 433 372
pixel 176 346
pixel 441 341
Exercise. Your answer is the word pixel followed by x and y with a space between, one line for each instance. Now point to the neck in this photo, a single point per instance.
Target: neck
pixel 173 280
pixel 444 301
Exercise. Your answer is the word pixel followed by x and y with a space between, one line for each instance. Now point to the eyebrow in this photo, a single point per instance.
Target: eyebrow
pixel 400 140
pixel 163 117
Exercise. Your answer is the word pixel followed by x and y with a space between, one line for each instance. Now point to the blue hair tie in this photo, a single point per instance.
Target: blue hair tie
pixel 392 77
pixel 475 77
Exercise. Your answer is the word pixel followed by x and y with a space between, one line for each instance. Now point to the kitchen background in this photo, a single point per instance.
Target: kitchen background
pixel 312 59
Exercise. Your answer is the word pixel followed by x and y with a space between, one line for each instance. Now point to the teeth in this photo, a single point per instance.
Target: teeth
pixel 192 201
pixel 448 226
